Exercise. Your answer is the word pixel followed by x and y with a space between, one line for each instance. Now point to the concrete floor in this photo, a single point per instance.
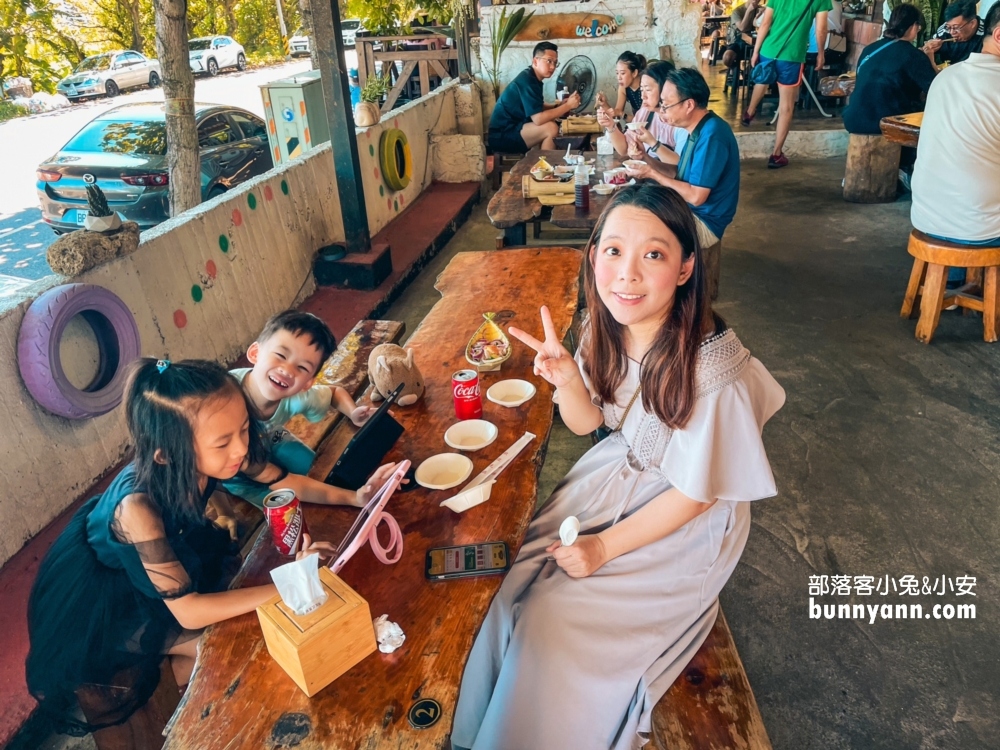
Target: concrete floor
pixel 887 458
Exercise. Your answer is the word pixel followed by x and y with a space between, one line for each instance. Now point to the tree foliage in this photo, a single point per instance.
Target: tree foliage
pixel 34 43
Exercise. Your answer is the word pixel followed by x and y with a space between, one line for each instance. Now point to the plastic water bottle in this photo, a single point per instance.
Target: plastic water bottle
pixel 581 183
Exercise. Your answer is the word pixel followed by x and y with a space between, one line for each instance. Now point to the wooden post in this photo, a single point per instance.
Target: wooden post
pixel 872 169
pixel 329 45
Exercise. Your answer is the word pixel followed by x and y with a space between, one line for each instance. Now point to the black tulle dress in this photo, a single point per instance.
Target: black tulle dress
pixel 97 622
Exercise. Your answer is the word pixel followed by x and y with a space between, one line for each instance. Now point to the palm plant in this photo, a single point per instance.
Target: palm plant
pixel 503 29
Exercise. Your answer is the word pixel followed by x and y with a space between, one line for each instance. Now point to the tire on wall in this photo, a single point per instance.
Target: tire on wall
pixel 395 159
pixel 38 356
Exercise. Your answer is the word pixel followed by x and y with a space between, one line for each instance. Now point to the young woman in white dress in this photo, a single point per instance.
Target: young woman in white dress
pixel 581 641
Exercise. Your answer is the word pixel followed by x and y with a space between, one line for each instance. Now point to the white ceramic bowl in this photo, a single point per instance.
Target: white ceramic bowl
pixel 443 471
pixel 634 125
pixel 471 434
pixel 469 499
pixel 510 393
pixel 633 163
pixel 609 174
pixel 602 189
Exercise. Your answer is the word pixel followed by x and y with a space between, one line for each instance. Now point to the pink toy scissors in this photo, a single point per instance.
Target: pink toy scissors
pixel 365 528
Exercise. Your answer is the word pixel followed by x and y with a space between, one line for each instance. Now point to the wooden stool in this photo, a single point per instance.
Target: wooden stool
pixel 932 259
pixel 872 169
pixel 712 257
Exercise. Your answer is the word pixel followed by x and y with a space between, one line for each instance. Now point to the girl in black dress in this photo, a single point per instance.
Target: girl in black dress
pixel 140 570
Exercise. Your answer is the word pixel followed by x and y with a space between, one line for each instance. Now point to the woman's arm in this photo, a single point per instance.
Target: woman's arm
pixel 620 106
pixel 617 137
pixel 576 409
pixel 762 32
pixel 660 517
pixel 197 611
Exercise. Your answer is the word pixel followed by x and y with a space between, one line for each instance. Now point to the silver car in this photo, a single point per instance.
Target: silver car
pixel 124 151
pixel 110 73
pixel 210 54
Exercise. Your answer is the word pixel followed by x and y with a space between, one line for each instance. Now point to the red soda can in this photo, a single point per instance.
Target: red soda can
pixel 468 402
pixel 284 515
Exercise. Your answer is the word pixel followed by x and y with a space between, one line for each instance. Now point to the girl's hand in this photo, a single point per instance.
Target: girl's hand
pixel 379 477
pixel 362 414
pixel 325 550
pixel 605 120
pixel 583 558
pixel 552 361
pixel 755 59
pixel 229 524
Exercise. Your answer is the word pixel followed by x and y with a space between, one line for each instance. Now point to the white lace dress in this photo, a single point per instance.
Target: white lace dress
pixel 580 663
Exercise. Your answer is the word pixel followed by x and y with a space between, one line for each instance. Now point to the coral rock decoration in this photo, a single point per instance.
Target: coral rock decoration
pixel 76 252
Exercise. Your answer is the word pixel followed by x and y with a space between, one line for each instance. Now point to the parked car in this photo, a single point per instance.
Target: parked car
pixel 299 43
pixel 109 74
pixel 349 30
pixel 210 54
pixel 124 152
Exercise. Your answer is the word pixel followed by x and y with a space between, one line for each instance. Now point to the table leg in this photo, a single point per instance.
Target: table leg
pixel 516 235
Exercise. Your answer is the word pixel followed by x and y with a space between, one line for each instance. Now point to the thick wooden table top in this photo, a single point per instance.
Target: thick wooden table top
pixel 902 129
pixel 571 217
pixel 508 207
pixel 240 698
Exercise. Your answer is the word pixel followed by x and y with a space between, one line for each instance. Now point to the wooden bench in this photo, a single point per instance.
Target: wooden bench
pixel 347 367
pixel 711 705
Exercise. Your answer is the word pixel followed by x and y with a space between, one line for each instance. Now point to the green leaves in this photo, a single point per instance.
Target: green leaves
pixel 503 29
pixel 98 203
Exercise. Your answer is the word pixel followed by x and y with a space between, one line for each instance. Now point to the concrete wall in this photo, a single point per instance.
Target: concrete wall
pixel 648 24
pixel 200 285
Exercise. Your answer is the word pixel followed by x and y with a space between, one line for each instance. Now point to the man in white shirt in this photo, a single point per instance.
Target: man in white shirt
pixel 956 180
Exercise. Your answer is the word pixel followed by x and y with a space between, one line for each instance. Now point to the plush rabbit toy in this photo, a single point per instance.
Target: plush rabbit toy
pixel 388 366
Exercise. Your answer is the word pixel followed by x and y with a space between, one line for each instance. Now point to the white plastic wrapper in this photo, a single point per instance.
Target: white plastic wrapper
pixel 388 634
pixel 299 585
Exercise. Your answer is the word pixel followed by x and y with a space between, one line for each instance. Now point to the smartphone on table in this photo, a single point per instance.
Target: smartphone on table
pixel 485 558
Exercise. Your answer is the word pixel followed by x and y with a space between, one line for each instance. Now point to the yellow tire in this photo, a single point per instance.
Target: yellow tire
pixel 396 159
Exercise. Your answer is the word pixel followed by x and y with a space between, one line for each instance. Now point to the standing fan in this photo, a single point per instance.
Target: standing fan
pixel 579 74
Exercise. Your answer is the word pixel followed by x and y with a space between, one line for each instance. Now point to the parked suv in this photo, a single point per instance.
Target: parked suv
pixel 349 30
pixel 210 54
pixel 299 43
pixel 108 74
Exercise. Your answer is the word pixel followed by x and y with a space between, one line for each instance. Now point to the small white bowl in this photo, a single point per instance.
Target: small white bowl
pixel 632 164
pixel 634 125
pixel 510 393
pixel 602 189
pixel 471 434
pixel 443 471
pixel 469 499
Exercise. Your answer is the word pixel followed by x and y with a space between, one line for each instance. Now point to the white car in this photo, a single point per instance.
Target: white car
pixel 108 74
pixel 299 43
pixel 210 54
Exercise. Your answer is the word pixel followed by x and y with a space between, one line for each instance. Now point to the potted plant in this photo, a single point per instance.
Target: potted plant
pixel 503 29
pixel 367 112
pixel 100 217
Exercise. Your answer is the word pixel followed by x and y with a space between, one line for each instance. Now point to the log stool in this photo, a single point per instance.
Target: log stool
pixel 712 256
pixel 932 259
pixel 872 169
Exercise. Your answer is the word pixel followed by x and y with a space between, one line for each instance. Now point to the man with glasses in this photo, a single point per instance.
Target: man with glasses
pixel 956 180
pixel 707 174
pixel 521 119
pixel 959 36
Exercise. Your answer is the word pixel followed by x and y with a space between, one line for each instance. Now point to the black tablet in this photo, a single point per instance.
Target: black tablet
pixel 367 448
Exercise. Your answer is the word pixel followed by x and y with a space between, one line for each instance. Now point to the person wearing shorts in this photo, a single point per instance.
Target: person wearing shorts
pixel 521 119
pixel 783 38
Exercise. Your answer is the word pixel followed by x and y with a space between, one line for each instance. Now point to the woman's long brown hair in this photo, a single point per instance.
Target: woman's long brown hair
pixel 668 367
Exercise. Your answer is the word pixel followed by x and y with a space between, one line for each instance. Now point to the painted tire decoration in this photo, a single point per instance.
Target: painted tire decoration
pixel 395 158
pixel 38 356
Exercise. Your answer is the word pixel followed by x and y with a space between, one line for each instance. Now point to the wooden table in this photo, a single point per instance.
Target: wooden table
pixel 240 698
pixel 902 129
pixel 510 210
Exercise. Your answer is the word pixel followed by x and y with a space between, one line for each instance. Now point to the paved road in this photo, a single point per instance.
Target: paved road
pixel 28 141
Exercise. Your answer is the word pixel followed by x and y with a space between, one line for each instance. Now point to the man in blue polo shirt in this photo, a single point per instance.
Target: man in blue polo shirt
pixel 707 174
pixel 521 119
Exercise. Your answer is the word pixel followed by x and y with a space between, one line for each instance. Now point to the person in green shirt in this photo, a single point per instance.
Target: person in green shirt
pixel 784 38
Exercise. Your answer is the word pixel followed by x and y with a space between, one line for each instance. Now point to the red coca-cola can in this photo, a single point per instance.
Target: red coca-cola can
pixel 284 515
pixel 468 401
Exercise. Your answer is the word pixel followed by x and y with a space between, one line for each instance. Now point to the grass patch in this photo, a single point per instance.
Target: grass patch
pixel 265 57
pixel 9 110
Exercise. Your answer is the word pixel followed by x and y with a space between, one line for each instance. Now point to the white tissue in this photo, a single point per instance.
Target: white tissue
pixel 388 634
pixel 299 586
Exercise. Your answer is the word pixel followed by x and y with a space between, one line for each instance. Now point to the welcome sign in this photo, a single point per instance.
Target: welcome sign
pixel 567 26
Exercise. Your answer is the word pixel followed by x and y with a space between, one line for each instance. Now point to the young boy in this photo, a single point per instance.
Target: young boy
pixel 286 358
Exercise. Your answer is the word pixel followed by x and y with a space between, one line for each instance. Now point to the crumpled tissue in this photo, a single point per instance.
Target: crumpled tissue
pixel 388 634
pixel 299 585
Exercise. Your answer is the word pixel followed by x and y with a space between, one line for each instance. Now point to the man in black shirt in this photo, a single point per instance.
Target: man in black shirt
pixel 521 119
pixel 959 36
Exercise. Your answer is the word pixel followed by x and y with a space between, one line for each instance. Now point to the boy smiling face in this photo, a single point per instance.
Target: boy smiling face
pixel 284 364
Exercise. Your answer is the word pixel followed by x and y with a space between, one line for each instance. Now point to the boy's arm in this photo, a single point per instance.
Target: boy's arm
pixel 341 400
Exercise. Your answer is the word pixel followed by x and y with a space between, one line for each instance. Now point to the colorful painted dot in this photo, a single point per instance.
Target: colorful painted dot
pixel 268 193
pixel 252 201
pixel 381 190
pixel 402 198
pixel 237 217
pixel 376 173
pixel 223 243
pixel 389 201
pixel 196 293
pixel 395 205
pixel 371 149
pixel 211 269
pixel 180 319
pixel 395 123
pixel 284 187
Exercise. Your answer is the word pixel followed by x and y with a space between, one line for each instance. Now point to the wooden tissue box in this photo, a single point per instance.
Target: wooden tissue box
pixel 315 649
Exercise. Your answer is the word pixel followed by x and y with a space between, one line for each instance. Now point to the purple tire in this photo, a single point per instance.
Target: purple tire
pixel 38 349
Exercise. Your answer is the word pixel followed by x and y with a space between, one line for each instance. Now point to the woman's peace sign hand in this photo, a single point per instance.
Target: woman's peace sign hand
pixel 552 361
